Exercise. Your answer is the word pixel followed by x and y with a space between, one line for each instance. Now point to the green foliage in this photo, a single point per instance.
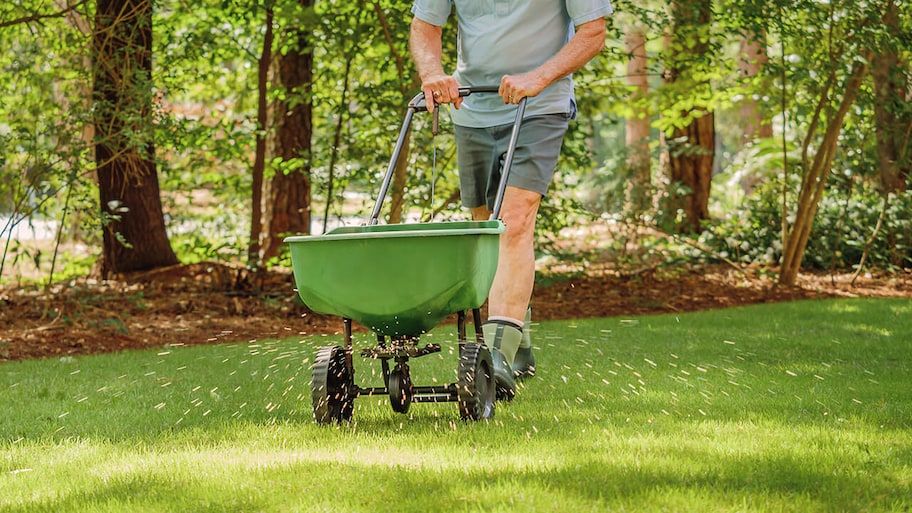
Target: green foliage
pixel 751 233
pixel 45 168
pixel 204 84
pixel 845 224
pixel 193 247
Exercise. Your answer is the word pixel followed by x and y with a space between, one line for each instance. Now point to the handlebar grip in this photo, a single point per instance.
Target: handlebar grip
pixel 467 90
pixel 418 102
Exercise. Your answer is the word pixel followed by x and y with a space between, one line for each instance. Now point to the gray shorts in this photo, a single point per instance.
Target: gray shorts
pixel 480 153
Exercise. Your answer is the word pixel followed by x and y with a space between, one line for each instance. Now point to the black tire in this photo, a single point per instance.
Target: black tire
pixel 400 390
pixel 332 386
pixel 475 388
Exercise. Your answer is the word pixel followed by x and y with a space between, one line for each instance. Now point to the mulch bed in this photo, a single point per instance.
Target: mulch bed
pixel 214 303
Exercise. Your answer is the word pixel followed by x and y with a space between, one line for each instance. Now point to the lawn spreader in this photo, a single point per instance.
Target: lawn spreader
pixel 400 281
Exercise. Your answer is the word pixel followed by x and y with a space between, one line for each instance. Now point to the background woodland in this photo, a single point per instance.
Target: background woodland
pixel 138 134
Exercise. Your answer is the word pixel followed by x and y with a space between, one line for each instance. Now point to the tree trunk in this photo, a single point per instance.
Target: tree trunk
pixel 259 159
pixel 638 126
pixel 692 148
pixel 288 196
pixel 690 163
pixel 814 181
pixel 752 60
pixel 134 235
pixel 891 115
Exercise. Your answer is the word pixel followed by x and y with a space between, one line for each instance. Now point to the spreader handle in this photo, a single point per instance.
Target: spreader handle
pixel 417 104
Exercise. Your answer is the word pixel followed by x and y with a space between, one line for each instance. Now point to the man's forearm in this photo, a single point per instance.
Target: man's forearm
pixel 585 44
pixel 426 48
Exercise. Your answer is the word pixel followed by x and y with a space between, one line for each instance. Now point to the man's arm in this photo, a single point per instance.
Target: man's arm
pixel 425 45
pixel 586 43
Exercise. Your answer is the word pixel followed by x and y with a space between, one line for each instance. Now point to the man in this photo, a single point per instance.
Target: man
pixel 529 48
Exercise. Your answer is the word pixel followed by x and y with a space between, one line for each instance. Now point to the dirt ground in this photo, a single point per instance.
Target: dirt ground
pixel 213 303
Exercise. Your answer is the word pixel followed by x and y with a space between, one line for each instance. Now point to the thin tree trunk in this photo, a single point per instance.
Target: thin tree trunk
pixel 815 179
pixel 892 125
pixel 638 125
pixel 259 159
pixel 134 235
pixel 690 164
pixel 289 194
pixel 692 148
pixel 753 58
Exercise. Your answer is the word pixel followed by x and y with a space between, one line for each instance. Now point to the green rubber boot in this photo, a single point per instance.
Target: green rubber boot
pixel 503 340
pixel 524 361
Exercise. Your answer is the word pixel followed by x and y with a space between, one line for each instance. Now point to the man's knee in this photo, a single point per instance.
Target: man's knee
pixel 519 211
pixel 521 202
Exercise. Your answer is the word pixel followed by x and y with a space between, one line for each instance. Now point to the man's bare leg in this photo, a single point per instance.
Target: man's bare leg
pixel 515 277
pixel 508 300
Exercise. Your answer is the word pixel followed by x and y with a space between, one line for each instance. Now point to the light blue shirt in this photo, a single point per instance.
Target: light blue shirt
pixel 509 37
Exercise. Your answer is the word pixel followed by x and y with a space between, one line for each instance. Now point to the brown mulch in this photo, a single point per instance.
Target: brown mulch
pixel 213 303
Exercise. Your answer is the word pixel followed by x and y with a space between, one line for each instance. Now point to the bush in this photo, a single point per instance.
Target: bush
pixel 846 218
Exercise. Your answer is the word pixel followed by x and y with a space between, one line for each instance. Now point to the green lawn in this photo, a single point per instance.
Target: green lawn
pixel 789 407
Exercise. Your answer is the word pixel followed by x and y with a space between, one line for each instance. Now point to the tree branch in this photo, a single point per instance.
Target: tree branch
pixel 32 18
pixel 405 86
pixel 870 241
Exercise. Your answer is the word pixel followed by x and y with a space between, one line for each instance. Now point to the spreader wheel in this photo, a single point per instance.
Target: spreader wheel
pixel 400 388
pixel 475 383
pixel 332 386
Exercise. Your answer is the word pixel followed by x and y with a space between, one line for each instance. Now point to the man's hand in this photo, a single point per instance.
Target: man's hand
pixel 586 43
pixel 425 46
pixel 516 87
pixel 440 89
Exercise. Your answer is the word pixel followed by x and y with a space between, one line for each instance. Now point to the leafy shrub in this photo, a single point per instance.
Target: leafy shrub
pixel 846 218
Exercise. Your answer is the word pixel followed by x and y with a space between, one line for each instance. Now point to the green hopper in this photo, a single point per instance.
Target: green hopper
pixel 397 280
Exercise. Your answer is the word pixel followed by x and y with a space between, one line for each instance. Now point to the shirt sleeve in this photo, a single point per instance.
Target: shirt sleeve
pixel 434 12
pixel 584 11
